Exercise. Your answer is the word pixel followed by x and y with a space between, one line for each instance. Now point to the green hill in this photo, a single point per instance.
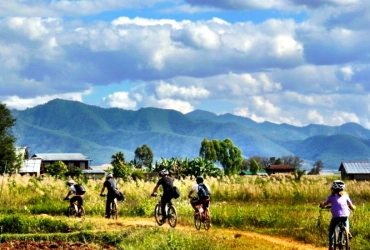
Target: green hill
pixel 70 126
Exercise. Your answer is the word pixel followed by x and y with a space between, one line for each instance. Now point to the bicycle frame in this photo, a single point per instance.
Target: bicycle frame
pixel 171 213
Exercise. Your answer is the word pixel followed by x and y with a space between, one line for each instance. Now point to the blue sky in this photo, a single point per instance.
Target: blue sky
pixel 298 62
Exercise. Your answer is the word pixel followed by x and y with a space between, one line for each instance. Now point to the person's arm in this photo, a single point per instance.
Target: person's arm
pixel 69 193
pixel 155 189
pixel 190 194
pixel 102 190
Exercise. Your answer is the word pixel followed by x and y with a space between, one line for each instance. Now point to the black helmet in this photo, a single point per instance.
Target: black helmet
pixel 200 179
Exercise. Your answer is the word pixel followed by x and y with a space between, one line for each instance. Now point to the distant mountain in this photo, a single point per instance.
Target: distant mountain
pixel 70 126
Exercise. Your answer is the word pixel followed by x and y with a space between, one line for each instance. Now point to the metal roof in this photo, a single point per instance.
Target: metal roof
pixel 62 157
pixel 356 167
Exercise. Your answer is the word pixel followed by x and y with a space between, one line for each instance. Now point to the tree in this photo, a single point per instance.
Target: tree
pixel 317 167
pixel 57 169
pixel 7 151
pixel 208 150
pixel 144 157
pixel 255 167
pixel 120 168
pixel 294 161
pixel 230 157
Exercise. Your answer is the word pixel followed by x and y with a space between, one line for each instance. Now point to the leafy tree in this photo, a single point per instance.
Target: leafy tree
pixel 144 157
pixel 208 150
pixel 57 169
pixel 120 168
pixel 230 157
pixel 255 167
pixel 8 156
pixel 74 172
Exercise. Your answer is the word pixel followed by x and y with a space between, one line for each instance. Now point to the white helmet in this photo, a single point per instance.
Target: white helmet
pixel 338 185
pixel 70 182
pixel 163 172
pixel 109 176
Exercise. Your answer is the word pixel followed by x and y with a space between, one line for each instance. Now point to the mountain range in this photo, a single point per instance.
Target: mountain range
pixel 61 126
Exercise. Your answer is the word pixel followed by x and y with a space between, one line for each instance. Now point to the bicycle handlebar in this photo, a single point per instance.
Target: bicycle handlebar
pixel 155 195
pixel 103 195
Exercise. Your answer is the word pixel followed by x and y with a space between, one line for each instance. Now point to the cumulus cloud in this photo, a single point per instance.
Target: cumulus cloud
pixel 281 69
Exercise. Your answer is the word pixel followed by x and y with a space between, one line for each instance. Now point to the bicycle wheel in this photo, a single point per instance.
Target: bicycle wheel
pixel 81 212
pixel 337 239
pixel 172 216
pixel 206 219
pixel 158 214
pixel 114 211
pixel 345 239
pixel 197 221
pixel 70 211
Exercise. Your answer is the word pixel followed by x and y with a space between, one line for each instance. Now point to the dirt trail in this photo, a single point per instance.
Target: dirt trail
pixel 229 233
pixel 102 224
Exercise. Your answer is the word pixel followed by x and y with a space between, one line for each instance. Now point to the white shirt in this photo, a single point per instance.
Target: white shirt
pixel 195 188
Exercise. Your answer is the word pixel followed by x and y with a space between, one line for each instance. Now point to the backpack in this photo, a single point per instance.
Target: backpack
pixel 79 189
pixel 203 192
pixel 176 192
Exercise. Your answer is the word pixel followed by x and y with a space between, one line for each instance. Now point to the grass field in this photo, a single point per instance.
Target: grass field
pixel 277 206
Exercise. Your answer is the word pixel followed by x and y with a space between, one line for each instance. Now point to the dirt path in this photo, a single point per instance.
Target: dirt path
pixel 102 224
pixel 229 233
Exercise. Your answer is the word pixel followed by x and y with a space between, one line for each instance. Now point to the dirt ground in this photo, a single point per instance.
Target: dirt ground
pixel 102 225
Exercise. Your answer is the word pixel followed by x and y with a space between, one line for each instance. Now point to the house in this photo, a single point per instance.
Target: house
pixel 31 166
pixel 70 159
pixel 355 170
pixel 279 169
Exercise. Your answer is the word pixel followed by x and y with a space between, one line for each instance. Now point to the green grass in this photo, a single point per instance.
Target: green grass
pixel 276 205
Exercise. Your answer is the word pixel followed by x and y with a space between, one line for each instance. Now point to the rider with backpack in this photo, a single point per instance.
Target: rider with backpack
pixel 111 185
pixel 204 194
pixel 167 185
pixel 78 191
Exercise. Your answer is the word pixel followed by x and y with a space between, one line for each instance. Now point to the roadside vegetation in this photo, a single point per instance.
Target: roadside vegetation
pixel 276 205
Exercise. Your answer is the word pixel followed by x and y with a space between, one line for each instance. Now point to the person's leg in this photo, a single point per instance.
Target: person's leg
pixel 194 203
pixel 72 202
pixel 108 207
pixel 332 225
pixel 163 207
pixel 80 201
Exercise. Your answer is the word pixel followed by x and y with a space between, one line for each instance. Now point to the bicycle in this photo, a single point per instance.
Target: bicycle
pixel 113 208
pixel 202 217
pixel 75 210
pixel 341 234
pixel 170 211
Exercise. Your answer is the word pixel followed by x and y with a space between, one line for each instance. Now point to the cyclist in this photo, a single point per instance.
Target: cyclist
pixel 203 192
pixel 167 185
pixel 77 196
pixel 111 186
pixel 340 207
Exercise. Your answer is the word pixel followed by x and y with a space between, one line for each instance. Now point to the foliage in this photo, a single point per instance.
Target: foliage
pixel 120 168
pixel 57 169
pixel 317 167
pixel 144 157
pixel 8 156
pixel 229 156
pixel 74 172
pixel 255 167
